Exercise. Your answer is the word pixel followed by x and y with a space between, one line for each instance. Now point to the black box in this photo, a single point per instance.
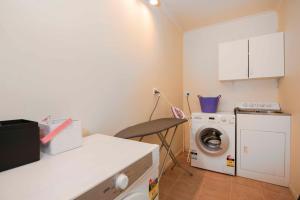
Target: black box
pixel 19 143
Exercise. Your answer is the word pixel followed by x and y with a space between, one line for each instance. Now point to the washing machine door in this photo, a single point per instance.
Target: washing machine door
pixel 136 196
pixel 212 140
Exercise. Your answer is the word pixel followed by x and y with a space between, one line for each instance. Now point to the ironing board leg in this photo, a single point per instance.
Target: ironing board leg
pixel 162 138
pixel 167 153
pixel 166 146
pixel 170 153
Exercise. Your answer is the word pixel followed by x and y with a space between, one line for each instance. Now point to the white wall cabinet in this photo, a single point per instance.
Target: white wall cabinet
pixel 263 147
pixel 233 60
pixel 266 56
pixel 257 57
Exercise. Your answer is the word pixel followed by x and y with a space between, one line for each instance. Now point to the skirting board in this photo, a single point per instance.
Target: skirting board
pixel 294 193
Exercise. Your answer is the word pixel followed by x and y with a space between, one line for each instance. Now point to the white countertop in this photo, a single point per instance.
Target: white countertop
pixel 70 174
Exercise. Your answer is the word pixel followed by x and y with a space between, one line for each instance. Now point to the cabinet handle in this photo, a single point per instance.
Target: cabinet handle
pixel 245 149
pixel 251 72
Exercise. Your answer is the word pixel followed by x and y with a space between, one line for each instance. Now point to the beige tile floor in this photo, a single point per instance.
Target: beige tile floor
pixel 206 185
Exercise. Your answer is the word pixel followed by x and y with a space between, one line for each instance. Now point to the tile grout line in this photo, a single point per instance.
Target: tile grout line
pixel 230 194
pixel 200 189
pixel 174 182
pixel 262 191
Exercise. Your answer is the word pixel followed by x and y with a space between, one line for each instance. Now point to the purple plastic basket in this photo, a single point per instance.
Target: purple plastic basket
pixel 209 104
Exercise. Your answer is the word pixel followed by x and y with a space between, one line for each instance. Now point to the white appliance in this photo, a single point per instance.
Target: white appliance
pixel 263 145
pixel 212 142
pixel 98 170
pixel 140 189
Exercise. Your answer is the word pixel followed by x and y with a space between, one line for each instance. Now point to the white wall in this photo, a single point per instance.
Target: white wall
pixel 289 86
pixel 93 60
pixel 200 71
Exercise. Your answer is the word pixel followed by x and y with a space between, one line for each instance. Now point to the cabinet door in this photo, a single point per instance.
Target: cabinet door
pixel 233 60
pixel 266 56
pixel 263 152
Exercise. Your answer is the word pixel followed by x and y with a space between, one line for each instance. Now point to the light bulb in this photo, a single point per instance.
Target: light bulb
pixel 154 2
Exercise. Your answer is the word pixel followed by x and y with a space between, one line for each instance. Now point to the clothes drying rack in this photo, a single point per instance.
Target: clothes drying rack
pixel 157 127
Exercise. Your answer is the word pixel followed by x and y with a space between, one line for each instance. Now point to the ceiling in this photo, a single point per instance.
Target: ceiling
pixel 191 14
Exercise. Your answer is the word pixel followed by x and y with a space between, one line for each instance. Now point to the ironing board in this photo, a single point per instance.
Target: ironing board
pixel 156 127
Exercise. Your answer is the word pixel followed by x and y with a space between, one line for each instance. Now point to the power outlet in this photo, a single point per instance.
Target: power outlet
pixel 155 91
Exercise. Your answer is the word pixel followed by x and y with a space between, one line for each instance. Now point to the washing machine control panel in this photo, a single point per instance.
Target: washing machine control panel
pixel 116 184
pixel 223 119
pixel 215 118
pixel 121 182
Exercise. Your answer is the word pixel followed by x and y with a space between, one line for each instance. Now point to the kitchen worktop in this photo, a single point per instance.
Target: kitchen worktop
pixel 70 174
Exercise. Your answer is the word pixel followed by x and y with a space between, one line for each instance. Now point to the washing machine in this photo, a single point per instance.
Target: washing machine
pixel 213 142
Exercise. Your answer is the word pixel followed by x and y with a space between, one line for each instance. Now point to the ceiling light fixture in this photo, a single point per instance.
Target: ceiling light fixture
pixel 154 2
